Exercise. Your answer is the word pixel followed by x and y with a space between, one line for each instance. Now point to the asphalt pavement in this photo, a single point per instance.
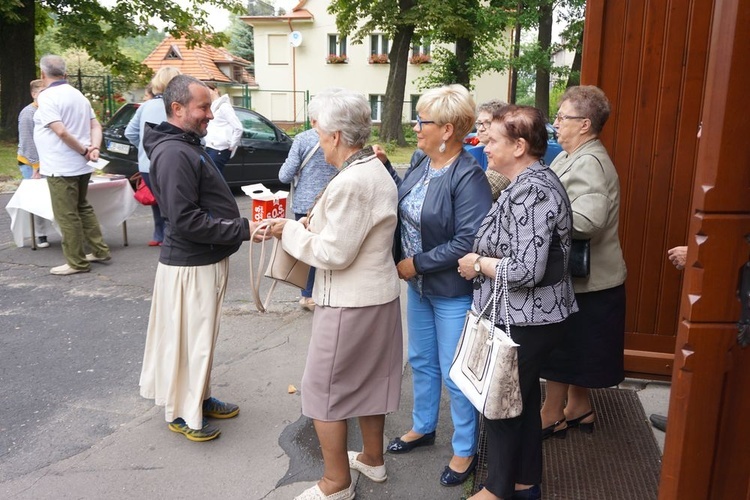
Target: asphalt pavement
pixel 73 425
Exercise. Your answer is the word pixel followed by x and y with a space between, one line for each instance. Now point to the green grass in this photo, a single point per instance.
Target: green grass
pixel 398 154
pixel 8 163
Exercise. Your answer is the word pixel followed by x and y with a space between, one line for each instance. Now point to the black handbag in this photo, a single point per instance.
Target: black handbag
pixel 580 258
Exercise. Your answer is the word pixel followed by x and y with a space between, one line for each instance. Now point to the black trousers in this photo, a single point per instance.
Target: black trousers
pixel 514 445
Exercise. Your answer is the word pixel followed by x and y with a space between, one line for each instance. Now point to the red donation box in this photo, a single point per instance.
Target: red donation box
pixel 266 204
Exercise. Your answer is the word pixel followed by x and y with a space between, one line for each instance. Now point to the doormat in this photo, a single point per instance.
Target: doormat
pixel 619 461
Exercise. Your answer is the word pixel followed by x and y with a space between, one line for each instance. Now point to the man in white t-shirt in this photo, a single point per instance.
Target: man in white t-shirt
pixel 67 135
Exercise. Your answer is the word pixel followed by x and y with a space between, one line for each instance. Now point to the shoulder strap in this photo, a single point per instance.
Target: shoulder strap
pixel 261 305
pixel 594 157
pixel 307 158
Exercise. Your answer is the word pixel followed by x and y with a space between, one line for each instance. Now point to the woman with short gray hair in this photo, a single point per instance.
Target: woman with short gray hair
pixel 353 364
pixel 306 168
pixel 591 356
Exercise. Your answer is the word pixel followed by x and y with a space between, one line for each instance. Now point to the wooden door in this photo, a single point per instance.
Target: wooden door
pixel 649 57
pixel 665 65
pixel 707 449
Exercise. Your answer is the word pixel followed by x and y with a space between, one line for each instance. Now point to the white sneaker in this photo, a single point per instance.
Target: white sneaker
pixel 93 258
pixel 65 269
pixel 42 242
pixel 376 473
pixel 315 493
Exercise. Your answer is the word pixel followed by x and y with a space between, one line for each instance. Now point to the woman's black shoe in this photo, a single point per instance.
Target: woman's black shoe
pixel 397 445
pixel 449 477
pixel 533 493
pixel 550 431
pixel 659 421
pixel 587 427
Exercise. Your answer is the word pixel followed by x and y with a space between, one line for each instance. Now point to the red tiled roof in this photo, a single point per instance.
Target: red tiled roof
pixel 200 62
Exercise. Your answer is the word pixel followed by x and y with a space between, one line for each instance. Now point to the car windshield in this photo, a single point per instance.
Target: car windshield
pixel 123 116
pixel 254 127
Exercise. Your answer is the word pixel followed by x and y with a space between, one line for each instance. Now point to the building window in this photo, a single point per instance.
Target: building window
pixel 420 54
pixel 378 49
pixel 278 49
pixel 336 49
pixel 376 107
pixel 379 44
pixel 414 100
pixel 420 49
pixel 173 53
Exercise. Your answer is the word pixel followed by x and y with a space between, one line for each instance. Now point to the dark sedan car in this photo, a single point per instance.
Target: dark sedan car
pixel 262 150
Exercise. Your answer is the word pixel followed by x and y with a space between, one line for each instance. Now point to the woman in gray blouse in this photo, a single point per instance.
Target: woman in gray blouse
pixel 592 355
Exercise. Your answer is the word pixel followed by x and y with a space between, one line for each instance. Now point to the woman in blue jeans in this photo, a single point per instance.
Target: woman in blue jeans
pixel 151 111
pixel 442 199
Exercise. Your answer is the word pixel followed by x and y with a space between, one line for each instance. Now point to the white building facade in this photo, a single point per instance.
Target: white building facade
pixel 301 53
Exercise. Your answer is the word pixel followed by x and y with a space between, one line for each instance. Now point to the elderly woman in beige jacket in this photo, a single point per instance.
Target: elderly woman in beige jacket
pixel 591 355
pixel 354 361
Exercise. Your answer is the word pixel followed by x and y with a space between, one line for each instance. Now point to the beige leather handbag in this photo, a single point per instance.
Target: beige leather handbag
pixel 281 267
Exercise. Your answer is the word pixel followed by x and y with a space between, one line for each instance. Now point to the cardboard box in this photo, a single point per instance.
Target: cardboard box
pixel 266 204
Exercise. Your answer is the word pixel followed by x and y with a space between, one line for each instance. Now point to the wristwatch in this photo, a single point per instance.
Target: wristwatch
pixel 477 266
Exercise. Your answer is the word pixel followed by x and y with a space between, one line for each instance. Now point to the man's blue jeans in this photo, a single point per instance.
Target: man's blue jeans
pixel 155 212
pixel 219 157
pixel 435 325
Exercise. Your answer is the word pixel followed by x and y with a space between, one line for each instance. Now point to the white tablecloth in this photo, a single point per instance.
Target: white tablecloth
pixel 112 200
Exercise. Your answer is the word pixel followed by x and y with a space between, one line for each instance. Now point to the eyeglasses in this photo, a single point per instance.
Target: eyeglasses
pixel 561 118
pixel 484 124
pixel 421 122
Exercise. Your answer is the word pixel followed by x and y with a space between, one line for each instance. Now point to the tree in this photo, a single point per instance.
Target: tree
pixel 259 8
pixel 397 19
pixel 572 14
pixel 139 47
pixel 474 28
pixel 544 40
pixel 92 27
pixel 536 58
pixel 241 42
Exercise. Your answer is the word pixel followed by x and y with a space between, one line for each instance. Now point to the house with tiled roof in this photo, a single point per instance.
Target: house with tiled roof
pixel 300 53
pixel 206 63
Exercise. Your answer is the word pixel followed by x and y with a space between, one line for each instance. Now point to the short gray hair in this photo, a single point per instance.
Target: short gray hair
pixel 491 106
pixel 53 66
pixel 178 90
pixel 590 102
pixel 345 111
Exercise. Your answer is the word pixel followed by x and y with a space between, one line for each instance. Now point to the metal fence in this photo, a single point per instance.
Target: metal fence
pixel 105 93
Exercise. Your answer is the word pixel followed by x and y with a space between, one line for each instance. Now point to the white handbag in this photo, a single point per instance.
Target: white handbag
pixel 485 366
